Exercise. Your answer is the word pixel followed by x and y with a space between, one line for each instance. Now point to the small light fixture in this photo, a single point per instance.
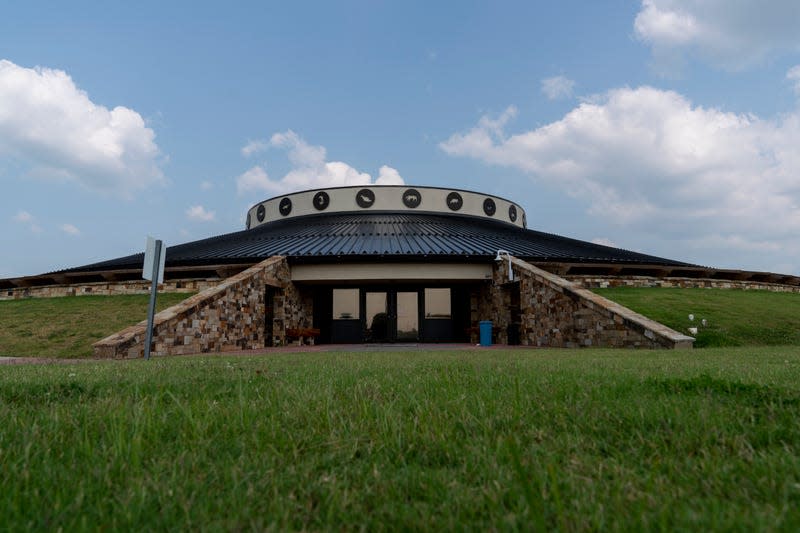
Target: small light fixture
pixel 499 257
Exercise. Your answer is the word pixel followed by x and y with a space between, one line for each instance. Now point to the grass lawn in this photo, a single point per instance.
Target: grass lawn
pixel 67 327
pixel 735 317
pixel 517 439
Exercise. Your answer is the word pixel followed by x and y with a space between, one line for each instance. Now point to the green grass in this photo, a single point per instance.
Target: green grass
pixel 735 317
pixel 67 327
pixel 571 440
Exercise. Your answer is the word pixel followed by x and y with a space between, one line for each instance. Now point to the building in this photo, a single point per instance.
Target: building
pixel 380 264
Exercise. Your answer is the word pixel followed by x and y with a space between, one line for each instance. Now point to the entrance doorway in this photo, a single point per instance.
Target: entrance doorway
pixel 400 313
pixel 391 315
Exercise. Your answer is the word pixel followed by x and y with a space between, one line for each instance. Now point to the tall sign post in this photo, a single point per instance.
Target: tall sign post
pixel 153 269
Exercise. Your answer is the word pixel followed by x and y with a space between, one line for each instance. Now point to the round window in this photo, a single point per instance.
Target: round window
pixel 365 198
pixel 489 207
pixel 454 201
pixel 512 213
pixel 412 198
pixel 261 213
pixel 321 201
pixel 285 207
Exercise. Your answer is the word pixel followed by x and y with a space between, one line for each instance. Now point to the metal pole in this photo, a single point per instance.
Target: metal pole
pixel 151 309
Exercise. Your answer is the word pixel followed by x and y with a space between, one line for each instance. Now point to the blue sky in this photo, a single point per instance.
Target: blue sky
pixel 669 127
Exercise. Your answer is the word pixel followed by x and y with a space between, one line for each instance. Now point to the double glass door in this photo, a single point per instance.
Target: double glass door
pixel 392 315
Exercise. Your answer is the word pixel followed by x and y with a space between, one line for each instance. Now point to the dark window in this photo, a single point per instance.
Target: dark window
pixel 321 201
pixel 365 198
pixel 454 201
pixel 412 198
pixel 489 207
pixel 512 213
pixel 261 213
pixel 285 207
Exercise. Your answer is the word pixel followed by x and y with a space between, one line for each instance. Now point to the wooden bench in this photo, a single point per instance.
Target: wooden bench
pixel 300 334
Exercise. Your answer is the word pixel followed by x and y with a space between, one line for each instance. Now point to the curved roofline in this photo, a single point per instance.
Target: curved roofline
pixel 401 198
pixel 406 185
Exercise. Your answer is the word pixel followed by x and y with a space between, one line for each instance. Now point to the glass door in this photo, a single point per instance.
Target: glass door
pixel 391 316
pixel 407 315
pixel 377 316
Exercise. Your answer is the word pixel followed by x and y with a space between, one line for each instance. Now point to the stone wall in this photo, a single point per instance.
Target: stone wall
pixel 293 309
pixel 108 288
pixel 555 312
pixel 229 316
pixel 598 282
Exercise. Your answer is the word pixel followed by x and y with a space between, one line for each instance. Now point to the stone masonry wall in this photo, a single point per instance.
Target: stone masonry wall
pixel 230 316
pixel 598 282
pixel 481 308
pixel 557 313
pixel 107 288
pixel 293 309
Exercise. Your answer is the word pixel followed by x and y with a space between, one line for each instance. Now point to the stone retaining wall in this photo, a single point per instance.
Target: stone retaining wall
pixel 108 288
pixel 598 282
pixel 555 312
pixel 229 316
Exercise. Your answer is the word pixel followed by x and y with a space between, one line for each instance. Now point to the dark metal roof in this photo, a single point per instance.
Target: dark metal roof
pixel 390 235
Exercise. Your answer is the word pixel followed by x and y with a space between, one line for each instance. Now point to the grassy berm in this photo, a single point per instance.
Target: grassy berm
pixel 493 440
pixel 734 317
pixel 67 327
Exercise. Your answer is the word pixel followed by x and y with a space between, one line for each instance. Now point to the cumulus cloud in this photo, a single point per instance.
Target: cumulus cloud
pixel 50 124
pixel 255 179
pixel 732 34
pixel 558 87
pixel 23 217
pixel 652 159
pixel 310 170
pixel 388 176
pixel 200 214
pixel 254 147
pixel 70 229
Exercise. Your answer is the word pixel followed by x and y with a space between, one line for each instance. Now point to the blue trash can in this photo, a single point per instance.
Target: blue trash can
pixel 486 332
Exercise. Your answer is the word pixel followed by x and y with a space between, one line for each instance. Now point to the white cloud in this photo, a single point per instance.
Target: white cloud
pixel 52 125
pixel 310 170
pixel 732 34
pixel 255 179
pixel 199 213
pixel 23 217
pixel 650 159
pixel 558 87
pixel 206 185
pixel 793 75
pixel 69 229
pixel 254 147
pixel 388 176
